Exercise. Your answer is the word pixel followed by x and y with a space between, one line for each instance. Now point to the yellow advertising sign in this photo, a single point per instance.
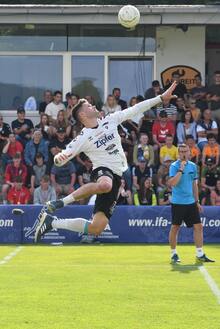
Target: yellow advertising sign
pixel 187 75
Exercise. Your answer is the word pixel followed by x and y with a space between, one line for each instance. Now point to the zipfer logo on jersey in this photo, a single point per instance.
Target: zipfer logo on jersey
pixel 103 140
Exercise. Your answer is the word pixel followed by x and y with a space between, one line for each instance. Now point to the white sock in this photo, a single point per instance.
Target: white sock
pixel 68 199
pixel 199 252
pixel 73 224
pixel 173 252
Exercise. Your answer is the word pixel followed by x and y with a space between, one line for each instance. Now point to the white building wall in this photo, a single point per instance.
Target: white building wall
pixel 175 47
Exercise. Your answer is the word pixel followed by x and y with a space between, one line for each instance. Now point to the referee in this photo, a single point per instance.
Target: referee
pixel 185 205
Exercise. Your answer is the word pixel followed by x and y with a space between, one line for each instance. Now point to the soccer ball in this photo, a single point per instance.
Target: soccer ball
pixel 129 16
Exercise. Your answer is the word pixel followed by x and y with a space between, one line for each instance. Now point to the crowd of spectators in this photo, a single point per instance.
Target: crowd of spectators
pixel 149 142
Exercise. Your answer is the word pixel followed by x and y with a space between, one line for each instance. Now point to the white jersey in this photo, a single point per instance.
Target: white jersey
pixel 102 144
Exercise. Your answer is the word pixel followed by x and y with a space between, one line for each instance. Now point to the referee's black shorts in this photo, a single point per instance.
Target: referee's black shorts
pixel 106 202
pixel 187 213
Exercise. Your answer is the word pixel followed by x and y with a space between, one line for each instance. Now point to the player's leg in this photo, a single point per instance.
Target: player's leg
pixel 198 239
pixel 104 206
pixel 102 185
pixel 173 236
pixel 177 213
pixel 193 220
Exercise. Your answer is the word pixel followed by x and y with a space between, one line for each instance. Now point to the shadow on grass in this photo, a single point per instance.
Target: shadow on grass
pixel 186 268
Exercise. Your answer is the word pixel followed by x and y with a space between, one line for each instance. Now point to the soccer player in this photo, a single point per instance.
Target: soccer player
pixel 185 205
pixel 100 141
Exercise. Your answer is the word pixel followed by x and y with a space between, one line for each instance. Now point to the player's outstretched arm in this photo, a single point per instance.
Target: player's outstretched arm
pixel 141 107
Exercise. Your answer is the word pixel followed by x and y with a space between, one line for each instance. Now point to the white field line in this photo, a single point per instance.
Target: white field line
pixel 12 254
pixel 211 283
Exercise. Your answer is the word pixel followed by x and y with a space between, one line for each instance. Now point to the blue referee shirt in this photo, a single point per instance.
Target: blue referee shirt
pixel 182 193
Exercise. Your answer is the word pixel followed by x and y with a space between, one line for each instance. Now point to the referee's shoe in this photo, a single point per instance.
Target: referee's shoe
pixel 204 259
pixel 175 259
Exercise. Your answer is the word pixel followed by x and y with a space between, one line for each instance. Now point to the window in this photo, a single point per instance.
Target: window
pixel 25 76
pixel 132 75
pixel 88 77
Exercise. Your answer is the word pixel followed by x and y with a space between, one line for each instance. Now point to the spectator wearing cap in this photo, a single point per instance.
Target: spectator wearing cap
pixel 58 143
pixel 140 171
pixel 211 150
pixel 209 175
pixel 55 106
pixel 116 92
pixel 168 149
pixel 36 145
pixel 18 194
pixel 39 170
pixel 143 148
pixel 163 172
pixel 5 131
pixel 161 129
pixel 45 192
pixel 170 109
pixel 194 150
pixel 145 196
pixel 22 127
pixel 14 169
pixel 11 148
pixel 204 127
pixel 63 179
pixel 186 126
pixel 47 98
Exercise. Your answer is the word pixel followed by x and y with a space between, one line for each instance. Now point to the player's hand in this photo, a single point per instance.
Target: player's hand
pixel 60 159
pixel 182 165
pixel 168 94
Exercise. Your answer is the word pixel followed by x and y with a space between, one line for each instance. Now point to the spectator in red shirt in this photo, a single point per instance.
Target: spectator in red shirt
pixel 14 169
pixel 162 128
pixel 10 149
pixel 18 194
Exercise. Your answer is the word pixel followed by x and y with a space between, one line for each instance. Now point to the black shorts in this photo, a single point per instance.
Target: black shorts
pixel 106 202
pixel 187 213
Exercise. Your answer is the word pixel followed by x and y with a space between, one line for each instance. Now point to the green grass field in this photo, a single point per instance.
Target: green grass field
pixel 106 287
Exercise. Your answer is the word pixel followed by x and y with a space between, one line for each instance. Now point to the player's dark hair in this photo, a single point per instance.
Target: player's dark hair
pixel 217 72
pixel 77 108
pixel 169 135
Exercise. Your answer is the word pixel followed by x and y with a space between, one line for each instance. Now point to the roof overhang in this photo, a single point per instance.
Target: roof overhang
pixel 106 14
